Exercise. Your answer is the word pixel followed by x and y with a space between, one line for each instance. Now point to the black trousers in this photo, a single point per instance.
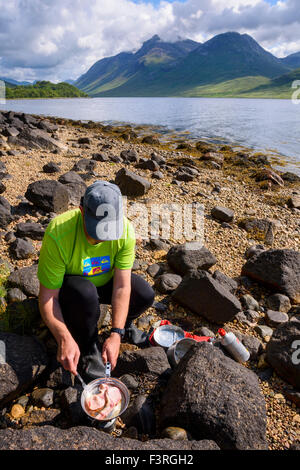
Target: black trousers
pixel 79 300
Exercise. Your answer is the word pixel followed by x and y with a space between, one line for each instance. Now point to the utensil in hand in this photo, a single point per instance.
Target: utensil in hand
pixel 107 369
pixel 81 380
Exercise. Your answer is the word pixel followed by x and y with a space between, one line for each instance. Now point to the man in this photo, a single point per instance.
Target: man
pixel 86 259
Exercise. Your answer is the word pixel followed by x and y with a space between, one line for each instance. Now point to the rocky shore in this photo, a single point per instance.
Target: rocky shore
pixel 245 278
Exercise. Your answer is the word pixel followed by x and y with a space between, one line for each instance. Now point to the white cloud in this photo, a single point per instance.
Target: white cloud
pixel 59 39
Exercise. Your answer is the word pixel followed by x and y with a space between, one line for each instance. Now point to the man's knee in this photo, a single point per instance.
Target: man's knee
pixel 142 291
pixel 79 290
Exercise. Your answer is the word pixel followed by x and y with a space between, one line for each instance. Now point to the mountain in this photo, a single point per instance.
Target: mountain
pixel 11 81
pixel 176 69
pixel 292 61
pixel 149 62
pixel 44 89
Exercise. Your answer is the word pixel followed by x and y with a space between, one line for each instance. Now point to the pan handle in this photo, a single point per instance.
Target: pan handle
pixel 107 369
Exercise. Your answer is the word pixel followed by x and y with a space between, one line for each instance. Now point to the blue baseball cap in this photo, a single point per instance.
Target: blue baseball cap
pixel 103 211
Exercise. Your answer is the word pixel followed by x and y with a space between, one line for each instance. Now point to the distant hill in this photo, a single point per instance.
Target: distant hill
pixel 161 68
pixel 11 81
pixel 292 61
pixel 44 89
pixel 249 87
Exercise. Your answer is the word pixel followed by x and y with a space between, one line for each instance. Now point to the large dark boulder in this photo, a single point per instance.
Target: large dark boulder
pixel 213 397
pixel 51 167
pixel 31 230
pixel 85 164
pixel 190 256
pixel 87 438
pixel 150 360
pixel 203 295
pixel 129 156
pixel 23 359
pixel 131 184
pixel 26 280
pixel 70 177
pixel 277 269
pixel 48 195
pixel 5 217
pixel 76 192
pixel 283 352
pixel 39 139
pixel 22 249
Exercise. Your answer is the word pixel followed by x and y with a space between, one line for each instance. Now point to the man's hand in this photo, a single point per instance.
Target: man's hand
pixel 111 349
pixel 68 354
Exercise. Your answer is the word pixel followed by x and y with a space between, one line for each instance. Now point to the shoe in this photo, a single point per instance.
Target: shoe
pixel 135 336
pixel 90 365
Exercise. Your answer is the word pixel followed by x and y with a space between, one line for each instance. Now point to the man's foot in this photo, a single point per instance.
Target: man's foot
pixel 90 365
pixel 135 336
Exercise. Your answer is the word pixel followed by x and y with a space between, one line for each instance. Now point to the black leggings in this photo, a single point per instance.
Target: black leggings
pixel 79 301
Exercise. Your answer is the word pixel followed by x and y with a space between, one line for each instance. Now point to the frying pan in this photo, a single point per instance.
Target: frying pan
pixel 93 388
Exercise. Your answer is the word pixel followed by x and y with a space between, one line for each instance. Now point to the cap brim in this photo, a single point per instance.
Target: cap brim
pixel 104 230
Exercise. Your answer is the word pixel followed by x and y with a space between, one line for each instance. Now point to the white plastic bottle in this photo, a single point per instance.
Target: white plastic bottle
pixel 234 346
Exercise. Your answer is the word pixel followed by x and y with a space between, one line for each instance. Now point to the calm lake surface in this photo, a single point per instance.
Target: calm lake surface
pixel 266 125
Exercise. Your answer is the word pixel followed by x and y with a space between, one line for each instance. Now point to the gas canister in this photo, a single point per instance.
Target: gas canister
pixel 234 346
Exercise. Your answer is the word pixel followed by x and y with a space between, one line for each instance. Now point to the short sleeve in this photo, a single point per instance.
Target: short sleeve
pixel 51 267
pixel 125 257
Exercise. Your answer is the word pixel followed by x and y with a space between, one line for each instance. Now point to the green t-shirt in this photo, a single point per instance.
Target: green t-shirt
pixel 65 250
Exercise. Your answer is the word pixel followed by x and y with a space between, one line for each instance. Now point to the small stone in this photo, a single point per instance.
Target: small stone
pixel 17 411
pixel 157 175
pixel 40 417
pixel 129 381
pixel 262 364
pixel 223 214
pixel 167 282
pixel 293 396
pixel 279 303
pixel 160 306
pixel 249 302
pixel 42 397
pixel 23 401
pixel 10 237
pixel 174 433
pixel 51 167
pixel 22 249
pixel 15 295
pixel 204 331
pixel 264 330
pixel 153 270
pixel 275 319
pixel 144 322
pixel 254 250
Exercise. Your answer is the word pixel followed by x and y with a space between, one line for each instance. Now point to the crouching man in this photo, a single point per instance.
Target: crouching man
pixel 86 260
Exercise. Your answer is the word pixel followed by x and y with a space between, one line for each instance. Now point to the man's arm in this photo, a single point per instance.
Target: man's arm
pixel 68 351
pixel 120 305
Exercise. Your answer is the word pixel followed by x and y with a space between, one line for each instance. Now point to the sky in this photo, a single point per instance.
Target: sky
pixel 60 39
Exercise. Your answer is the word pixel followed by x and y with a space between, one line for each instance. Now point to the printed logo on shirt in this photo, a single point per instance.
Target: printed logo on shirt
pixel 96 266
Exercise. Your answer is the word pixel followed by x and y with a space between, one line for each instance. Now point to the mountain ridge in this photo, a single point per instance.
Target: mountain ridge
pixel 161 68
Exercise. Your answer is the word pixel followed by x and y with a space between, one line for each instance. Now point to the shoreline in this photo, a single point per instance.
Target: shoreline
pixel 278 158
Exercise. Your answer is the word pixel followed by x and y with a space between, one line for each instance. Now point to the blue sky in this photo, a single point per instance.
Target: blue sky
pixel 61 39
